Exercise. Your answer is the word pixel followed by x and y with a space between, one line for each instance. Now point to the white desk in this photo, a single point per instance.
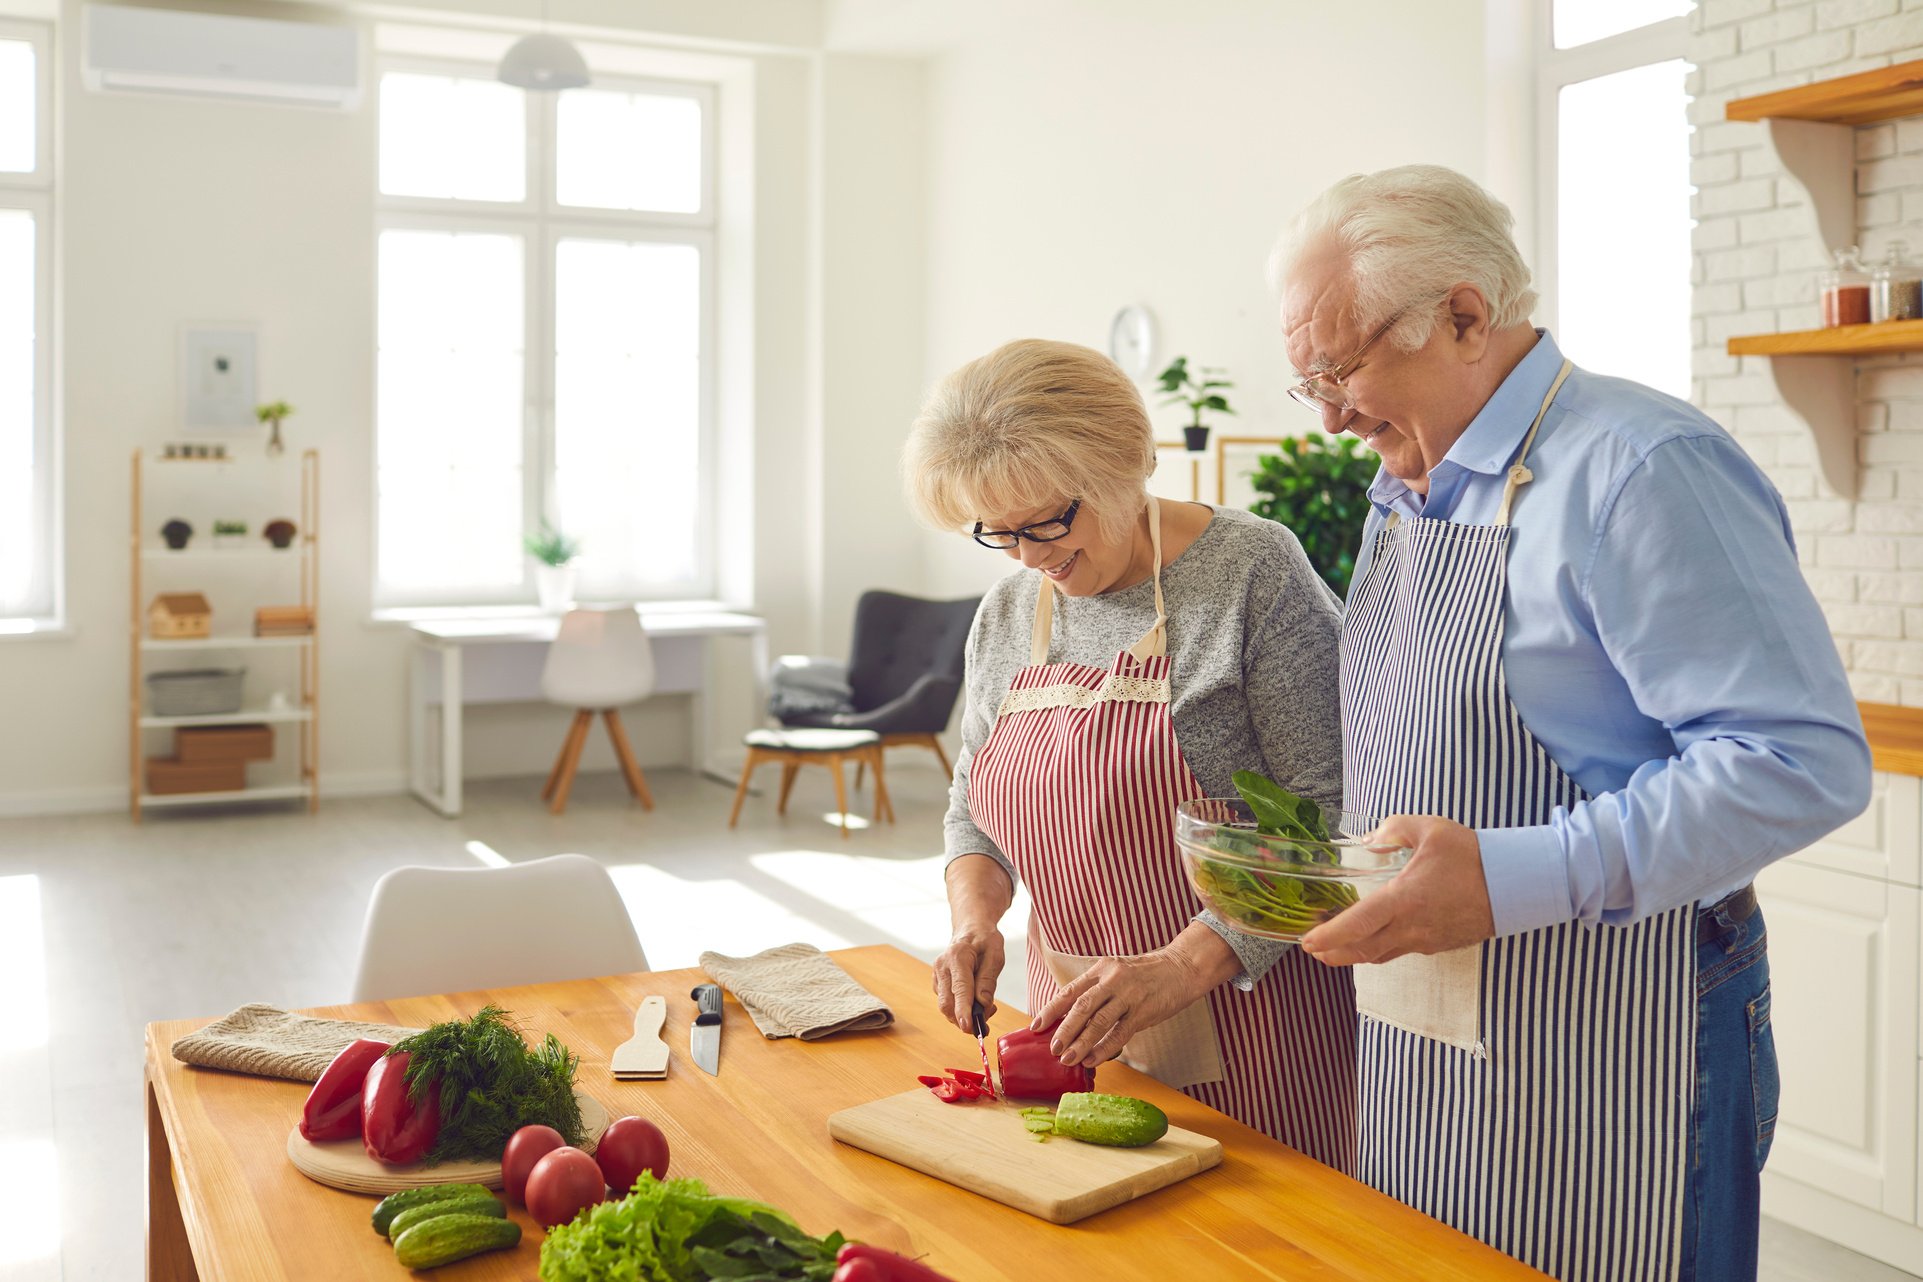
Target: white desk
pixel 460 661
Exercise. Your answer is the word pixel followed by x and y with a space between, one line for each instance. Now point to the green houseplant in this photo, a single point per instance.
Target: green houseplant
pixel 1199 390
pixel 271 414
pixel 1319 487
pixel 554 553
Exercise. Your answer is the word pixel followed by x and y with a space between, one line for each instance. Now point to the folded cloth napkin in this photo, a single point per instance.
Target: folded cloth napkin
pixel 797 990
pixel 270 1042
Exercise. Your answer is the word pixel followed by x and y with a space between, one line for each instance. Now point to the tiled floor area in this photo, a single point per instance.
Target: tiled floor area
pixel 105 926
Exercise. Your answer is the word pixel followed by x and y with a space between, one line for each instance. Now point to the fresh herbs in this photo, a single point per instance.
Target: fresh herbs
pixel 1274 902
pixel 677 1231
pixel 491 1084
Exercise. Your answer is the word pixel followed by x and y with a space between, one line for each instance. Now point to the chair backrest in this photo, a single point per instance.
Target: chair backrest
pixel 600 659
pixel 449 930
pixel 900 639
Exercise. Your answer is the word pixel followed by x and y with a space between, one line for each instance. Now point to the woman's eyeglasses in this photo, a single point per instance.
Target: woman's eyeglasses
pixel 1040 532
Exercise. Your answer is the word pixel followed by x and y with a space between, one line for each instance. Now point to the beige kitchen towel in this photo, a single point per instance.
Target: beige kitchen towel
pixel 797 990
pixel 270 1042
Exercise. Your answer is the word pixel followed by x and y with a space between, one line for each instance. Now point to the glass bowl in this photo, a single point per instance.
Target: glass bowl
pixel 1278 887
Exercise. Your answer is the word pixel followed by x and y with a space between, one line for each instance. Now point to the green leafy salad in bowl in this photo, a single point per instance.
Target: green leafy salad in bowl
pixel 1270 863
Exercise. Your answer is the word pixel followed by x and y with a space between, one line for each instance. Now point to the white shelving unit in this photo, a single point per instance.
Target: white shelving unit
pixel 303 715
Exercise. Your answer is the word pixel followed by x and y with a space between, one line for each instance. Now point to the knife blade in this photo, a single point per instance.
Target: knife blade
pixel 981 1044
pixel 704 1039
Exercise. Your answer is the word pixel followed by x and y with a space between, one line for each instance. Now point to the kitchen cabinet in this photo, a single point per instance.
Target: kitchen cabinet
pixel 1845 920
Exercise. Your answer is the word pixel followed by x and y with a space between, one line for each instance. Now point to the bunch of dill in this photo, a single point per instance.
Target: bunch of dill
pixel 491 1084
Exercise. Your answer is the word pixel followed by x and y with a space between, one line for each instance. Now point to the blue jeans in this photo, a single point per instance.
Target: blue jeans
pixel 1736 1088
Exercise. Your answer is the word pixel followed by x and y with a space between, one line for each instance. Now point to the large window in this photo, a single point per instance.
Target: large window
pixel 545 336
pixel 29 543
pixel 1614 134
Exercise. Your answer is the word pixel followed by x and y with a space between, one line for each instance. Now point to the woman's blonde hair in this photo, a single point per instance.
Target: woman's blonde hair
pixel 1030 424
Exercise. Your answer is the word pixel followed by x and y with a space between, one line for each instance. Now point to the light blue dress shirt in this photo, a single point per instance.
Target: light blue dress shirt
pixel 1659 641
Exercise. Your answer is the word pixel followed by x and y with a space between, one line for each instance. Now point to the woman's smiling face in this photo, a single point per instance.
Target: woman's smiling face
pixel 1083 562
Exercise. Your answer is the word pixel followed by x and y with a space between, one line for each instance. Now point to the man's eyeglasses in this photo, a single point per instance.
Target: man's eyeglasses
pixel 1325 388
pixel 1040 532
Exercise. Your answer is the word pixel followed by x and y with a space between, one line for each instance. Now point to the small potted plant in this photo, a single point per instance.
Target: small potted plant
pixel 271 414
pixel 279 532
pixel 176 532
pixel 1199 390
pixel 554 575
pixel 230 534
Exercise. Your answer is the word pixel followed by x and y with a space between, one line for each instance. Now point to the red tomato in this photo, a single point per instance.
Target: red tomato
pixel 561 1184
pixel 630 1146
pixel 524 1148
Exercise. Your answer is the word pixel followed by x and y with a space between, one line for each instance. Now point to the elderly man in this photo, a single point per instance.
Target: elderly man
pixel 1583 677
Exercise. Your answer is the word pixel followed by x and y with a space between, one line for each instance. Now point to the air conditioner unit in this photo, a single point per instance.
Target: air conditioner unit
pixel 208 55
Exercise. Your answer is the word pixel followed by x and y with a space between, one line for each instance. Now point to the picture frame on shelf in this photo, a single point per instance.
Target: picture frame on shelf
pixel 218 376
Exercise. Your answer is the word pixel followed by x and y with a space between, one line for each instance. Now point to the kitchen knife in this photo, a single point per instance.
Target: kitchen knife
pixel 981 1044
pixel 704 1040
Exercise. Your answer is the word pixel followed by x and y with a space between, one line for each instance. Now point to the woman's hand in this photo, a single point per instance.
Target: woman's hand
pixel 966 972
pixel 1118 997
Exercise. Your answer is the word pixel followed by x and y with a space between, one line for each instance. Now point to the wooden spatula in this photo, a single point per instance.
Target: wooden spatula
pixel 644 1056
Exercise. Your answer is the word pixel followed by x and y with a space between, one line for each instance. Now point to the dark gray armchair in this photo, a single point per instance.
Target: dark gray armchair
pixel 904 669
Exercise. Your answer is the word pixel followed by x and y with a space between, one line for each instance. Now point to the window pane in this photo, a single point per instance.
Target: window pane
pixel 629 151
pixel 1580 21
pixel 20 547
pixel 449 401
pixel 460 139
pixel 627 411
pixel 19 107
pixel 1622 262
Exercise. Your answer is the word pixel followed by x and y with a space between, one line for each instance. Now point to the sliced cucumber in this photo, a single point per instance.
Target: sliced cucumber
pixel 1119 1121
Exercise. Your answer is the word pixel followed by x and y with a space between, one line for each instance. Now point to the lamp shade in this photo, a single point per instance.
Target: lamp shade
pixel 544 62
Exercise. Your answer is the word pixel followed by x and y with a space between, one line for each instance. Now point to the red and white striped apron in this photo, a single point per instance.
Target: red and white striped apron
pixel 1077 785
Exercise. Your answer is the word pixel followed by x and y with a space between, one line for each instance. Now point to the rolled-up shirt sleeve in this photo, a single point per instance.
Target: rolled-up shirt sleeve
pixel 1693 591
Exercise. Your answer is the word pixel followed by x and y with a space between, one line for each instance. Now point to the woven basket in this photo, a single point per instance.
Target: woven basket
pixel 195 692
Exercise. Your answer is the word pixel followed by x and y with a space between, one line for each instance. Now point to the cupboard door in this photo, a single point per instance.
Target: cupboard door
pixel 1844 974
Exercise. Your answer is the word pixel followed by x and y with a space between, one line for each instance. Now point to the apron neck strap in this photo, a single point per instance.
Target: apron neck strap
pixel 1153 643
pixel 1519 474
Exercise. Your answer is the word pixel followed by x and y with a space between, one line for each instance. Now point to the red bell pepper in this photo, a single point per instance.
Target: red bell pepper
pixel 889 1266
pixel 333 1108
pixel 1032 1071
pixel 393 1128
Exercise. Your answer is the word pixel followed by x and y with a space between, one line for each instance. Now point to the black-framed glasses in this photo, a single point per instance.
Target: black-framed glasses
pixel 1040 532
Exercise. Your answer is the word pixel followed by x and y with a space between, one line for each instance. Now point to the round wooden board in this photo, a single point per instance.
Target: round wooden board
pixel 344 1164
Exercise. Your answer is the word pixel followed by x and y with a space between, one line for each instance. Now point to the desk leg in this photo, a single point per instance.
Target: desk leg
pixel 170 1258
pixel 451 731
pixel 418 781
pixel 698 714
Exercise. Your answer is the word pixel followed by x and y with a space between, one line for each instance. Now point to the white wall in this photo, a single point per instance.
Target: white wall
pixel 1084 154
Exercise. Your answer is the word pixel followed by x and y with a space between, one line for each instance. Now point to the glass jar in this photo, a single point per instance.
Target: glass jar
pixel 1846 291
pixel 1896 287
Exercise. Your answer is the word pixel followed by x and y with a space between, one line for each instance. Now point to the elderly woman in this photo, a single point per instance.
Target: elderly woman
pixel 1144 653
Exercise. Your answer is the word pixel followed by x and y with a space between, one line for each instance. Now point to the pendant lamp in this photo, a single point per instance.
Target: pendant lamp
pixel 544 62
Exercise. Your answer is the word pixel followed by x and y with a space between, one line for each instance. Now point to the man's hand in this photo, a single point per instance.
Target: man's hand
pixel 1438 903
pixel 966 972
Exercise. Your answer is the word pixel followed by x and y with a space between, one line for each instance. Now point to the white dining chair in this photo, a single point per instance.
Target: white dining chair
pixel 450 930
pixel 600 661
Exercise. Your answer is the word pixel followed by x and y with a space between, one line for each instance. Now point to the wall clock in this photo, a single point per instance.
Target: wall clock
pixel 1131 341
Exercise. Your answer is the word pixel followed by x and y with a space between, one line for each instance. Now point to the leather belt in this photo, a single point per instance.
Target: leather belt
pixel 1725 915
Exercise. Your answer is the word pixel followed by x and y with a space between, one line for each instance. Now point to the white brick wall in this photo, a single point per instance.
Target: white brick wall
pixel 1756 260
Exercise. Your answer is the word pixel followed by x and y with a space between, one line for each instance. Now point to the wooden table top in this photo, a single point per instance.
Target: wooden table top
pixel 760 1130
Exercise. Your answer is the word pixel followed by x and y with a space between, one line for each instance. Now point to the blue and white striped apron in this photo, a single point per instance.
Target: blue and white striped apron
pixel 1557 1132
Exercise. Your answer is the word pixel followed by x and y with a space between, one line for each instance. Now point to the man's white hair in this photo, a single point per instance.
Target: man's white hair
pixel 1408 235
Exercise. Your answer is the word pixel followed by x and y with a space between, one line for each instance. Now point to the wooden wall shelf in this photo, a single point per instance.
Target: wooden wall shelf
pixel 1840 340
pixel 1896 737
pixel 1886 93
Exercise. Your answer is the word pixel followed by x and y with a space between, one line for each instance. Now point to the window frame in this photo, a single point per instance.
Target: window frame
pixel 1664 41
pixel 44 609
pixel 543 222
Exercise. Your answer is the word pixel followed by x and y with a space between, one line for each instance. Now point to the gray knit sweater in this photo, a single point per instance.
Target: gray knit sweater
pixel 1253 633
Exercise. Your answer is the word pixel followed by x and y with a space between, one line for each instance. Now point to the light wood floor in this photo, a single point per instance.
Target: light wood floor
pixel 105 926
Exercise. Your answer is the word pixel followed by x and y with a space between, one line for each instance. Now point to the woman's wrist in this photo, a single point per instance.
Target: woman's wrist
pixel 1203 958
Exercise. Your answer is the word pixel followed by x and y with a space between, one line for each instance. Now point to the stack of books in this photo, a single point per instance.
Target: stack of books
pixel 284 621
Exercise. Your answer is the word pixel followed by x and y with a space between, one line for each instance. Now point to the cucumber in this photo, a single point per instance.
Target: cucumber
pixel 394 1203
pixel 447 1206
pixel 1120 1121
pixel 446 1238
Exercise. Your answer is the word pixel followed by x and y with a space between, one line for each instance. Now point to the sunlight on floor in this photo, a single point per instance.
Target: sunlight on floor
pixel 29 1201
pixel 23 966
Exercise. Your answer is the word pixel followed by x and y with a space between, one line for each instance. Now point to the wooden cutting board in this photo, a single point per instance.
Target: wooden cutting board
pixel 344 1164
pixel 983 1148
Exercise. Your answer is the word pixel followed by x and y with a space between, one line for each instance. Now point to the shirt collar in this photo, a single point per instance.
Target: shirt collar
pixel 1493 435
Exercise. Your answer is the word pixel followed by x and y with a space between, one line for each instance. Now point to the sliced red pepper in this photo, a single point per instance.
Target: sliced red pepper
pixel 931 1082
pixel 964 1075
pixel 333 1108
pixel 1030 1070
pixel 393 1128
pixel 950 1092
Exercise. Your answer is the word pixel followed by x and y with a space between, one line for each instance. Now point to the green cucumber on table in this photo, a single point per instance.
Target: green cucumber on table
pixel 446 1206
pixel 394 1203
pixel 447 1238
pixel 1118 1121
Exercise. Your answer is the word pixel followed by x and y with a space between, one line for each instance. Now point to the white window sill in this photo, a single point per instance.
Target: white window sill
pixel 405 616
pixel 35 630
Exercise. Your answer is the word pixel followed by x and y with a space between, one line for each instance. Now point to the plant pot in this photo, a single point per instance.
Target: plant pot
pixel 555 583
pixel 228 542
pixel 1196 438
pixel 280 533
pixel 176 532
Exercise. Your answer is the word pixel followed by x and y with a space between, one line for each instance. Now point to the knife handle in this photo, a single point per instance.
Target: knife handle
pixel 981 1021
pixel 708 998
